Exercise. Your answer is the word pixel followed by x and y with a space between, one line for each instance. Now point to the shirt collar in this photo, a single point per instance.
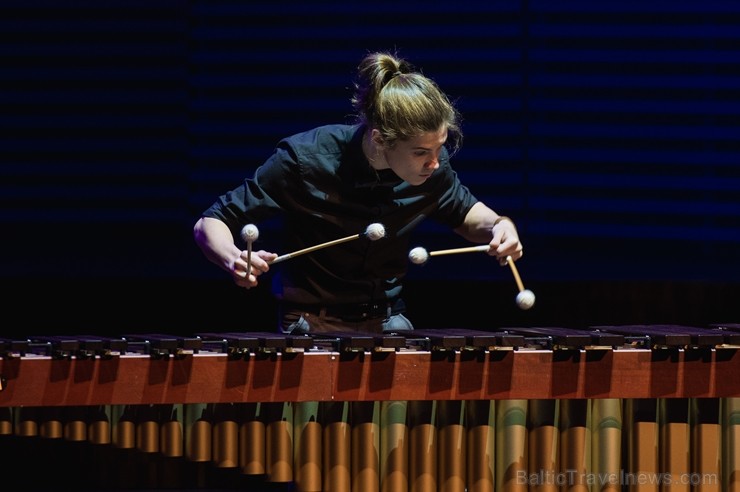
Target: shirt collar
pixel 365 176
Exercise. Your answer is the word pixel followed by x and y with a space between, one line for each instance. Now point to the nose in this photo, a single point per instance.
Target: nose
pixel 433 163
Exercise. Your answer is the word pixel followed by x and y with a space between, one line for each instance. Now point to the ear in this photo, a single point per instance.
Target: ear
pixel 377 138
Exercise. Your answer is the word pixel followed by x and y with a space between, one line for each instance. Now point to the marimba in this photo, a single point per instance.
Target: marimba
pixel 519 408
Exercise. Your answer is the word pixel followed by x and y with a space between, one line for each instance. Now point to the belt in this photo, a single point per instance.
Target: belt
pixel 353 312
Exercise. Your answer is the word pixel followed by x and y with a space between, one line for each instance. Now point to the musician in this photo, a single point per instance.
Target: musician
pixel 390 165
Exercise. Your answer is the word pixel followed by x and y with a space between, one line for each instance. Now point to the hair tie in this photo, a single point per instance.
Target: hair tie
pixel 397 73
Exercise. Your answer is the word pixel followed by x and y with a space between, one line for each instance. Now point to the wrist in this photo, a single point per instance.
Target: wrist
pixel 501 218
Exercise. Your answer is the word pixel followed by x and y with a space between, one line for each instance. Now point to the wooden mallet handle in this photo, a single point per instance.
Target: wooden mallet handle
pixel 468 249
pixel 310 249
pixel 374 232
pixel 514 270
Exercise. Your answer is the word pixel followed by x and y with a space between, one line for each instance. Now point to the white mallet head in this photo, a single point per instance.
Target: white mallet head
pixel 250 233
pixel 525 299
pixel 375 231
pixel 418 255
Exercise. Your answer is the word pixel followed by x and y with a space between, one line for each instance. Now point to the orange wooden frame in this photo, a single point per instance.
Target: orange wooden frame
pixel 401 375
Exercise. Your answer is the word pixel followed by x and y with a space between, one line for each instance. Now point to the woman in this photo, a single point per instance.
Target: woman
pixel 392 168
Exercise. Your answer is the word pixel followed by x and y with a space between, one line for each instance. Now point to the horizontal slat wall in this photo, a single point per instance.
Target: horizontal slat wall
pixel 608 130
pixel 632 141
pixel 93 136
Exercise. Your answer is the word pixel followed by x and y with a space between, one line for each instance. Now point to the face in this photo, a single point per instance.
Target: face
pixel 414 160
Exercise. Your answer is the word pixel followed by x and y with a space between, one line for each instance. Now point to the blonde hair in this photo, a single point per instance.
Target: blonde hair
pixel 401 103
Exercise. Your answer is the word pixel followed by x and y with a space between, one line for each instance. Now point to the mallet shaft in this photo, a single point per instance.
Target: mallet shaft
pixel 249 258
pixel 469 249
pixel 514 270
pixel 310 249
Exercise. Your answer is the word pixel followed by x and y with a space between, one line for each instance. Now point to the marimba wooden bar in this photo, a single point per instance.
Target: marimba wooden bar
pixel 382 376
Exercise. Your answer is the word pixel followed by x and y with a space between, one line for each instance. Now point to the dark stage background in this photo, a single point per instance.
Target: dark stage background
pixel 608 130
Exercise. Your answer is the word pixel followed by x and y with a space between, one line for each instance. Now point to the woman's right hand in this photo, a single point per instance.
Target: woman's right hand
pixel 259 265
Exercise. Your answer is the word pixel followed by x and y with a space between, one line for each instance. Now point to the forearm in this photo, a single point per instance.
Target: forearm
pixel 478 224
pixel 216 241
pixel 482 225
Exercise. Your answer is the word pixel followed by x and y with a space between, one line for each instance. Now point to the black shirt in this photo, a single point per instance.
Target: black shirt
pixel 324 189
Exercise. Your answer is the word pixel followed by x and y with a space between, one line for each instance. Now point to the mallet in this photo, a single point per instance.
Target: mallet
pixel 525 297
pixel 373 232
pixel 420 255
pixel 249 234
